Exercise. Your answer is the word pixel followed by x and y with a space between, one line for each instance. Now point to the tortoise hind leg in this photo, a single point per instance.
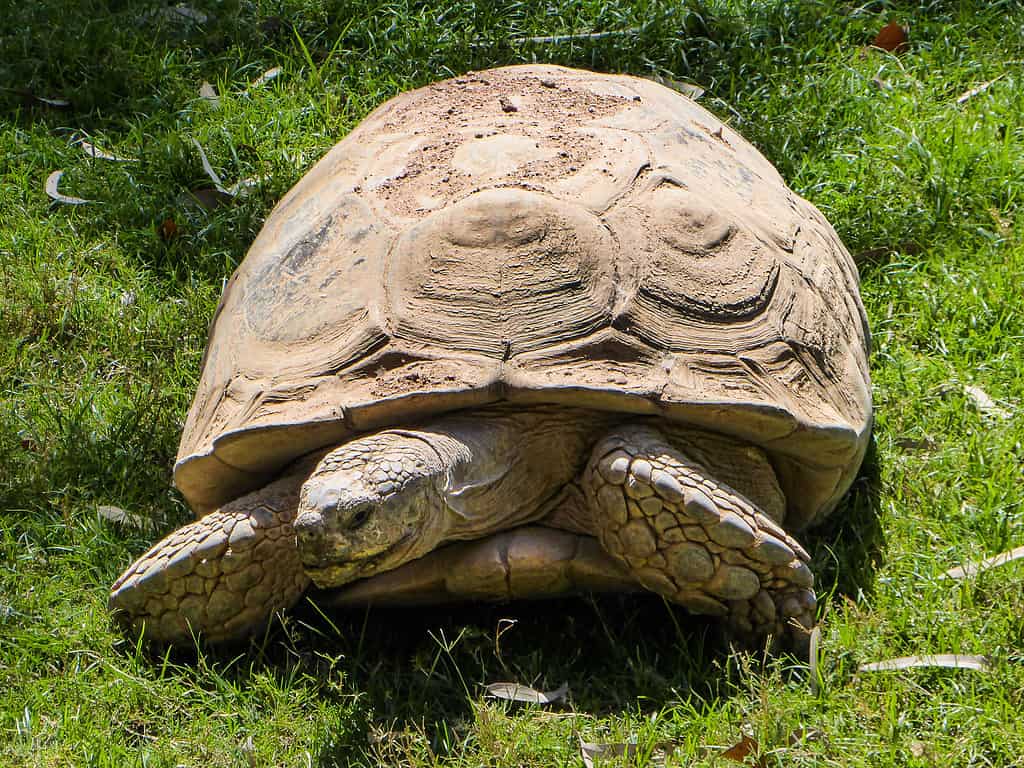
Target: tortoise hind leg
pixel 220 577
pixel 693 539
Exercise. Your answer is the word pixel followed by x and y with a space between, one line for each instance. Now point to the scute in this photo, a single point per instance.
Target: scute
pixel 537 234
pixel 501 272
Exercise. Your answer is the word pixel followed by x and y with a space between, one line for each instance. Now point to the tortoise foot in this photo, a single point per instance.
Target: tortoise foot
pixel 696 541
pixel 219 578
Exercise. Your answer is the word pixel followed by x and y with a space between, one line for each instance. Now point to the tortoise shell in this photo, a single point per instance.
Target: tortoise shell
pixel 537 234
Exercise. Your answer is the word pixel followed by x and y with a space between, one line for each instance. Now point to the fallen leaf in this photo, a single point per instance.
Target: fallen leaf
pixel 741 750
pixel 984 403
pixel 217 183
pixel 119 516
pixel 591 750
pixel 167 229
pixel 93 151
pixel 920 749
pixel 542 39
pixel 805 735
pixel 180 14
pixel 209 94
pixel 184 12
pixel 517 692
pixel 266 77
pixel 245 186
pixel 593 753
pixel 892 37
pixel 944 660
pixel 914 443
pixel 812 653
pixel 972 569
pixel 972 92
pixel 209 199
pixel 52 182
pixel 249 750
pixel 56 103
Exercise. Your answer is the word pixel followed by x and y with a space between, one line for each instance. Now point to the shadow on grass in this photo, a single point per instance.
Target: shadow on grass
pixel 424 669
pixel 848 547
pixel 421 671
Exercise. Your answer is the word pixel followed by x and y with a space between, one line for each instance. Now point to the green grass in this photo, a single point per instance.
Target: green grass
pixel 102 326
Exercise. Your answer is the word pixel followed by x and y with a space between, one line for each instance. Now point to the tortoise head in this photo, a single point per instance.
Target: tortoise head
pixel 368 507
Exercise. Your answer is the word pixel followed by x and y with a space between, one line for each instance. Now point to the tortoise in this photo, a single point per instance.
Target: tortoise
pixel 522 333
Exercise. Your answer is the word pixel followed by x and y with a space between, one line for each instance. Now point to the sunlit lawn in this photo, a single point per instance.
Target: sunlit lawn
pixel 103 315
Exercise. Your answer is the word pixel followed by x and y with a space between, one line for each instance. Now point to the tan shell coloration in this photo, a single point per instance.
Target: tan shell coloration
pixel 538 234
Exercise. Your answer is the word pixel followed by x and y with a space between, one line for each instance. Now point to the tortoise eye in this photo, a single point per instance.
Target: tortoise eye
pixel 358 520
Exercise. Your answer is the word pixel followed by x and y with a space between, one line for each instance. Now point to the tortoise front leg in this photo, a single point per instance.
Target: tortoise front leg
pixel 221 577
pixel 693 539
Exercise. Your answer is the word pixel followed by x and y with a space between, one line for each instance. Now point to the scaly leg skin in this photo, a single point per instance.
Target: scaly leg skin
pixel 696 541
pixel 221 577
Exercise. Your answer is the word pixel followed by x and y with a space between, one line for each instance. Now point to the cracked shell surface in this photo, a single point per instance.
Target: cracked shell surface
pixel 610 245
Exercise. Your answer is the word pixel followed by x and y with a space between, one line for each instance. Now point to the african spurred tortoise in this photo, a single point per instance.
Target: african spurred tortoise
pixel 523 332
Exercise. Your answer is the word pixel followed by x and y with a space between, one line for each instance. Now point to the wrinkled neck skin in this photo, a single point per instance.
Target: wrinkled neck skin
pixel 382 500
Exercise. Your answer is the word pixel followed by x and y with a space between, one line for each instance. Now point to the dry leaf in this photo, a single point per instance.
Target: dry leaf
pixel 209 94
pixel 249 750
pixel 923 749
pixel 805 735
pixel 944 660
pixel 93 151
pixel 814 644
pixel 52 182
pixel 985 404
pixel 266 77
pixel 184 12
pixel 119 516
pixel 217 183
pixel 245 186
pixel 209 199
pixel 594 753
pixel 972 569
pixel 517 692
pixel 543 39
pixel 167 229
pixel 741 750
pixel 591 750
pixel 56 103
pixel 892 37
pixel 971 93
pixel 914 443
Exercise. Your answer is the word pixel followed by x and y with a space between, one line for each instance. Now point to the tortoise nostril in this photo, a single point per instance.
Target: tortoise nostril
pixel 308 523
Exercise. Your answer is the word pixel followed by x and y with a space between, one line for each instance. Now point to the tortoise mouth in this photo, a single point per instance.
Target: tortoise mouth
pixel 326 574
